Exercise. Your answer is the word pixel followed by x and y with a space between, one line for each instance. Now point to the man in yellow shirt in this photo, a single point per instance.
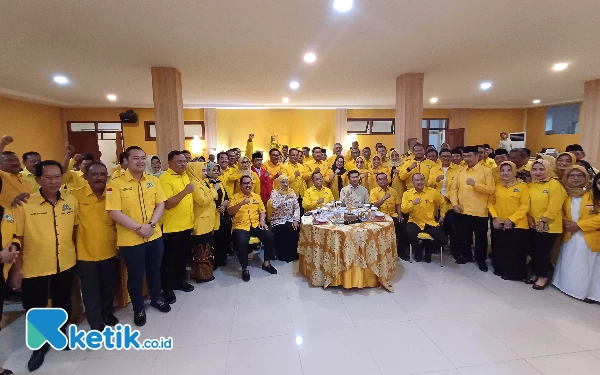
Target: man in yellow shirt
pixel 45 225
pixel 521 159
pixel 97 263
pixel 457 156
pixel 13 184
pixel 294 170
pixel 136 202
pixel 177 224
pixel 432 155
pixel 248 219
pixel 312 166
pixel 484 158
pixel 441 178
pixel 306 153
pixel 408 155
pixel 30 160
pixel 382 152
pixel 469 195
pixel 388 201
pixel 273 165
pixel 500 156
pixel 366 154
pixel 120 169
pixel 418 164
pixel 421 203
pixel 316 195
pixel 337 151
pixel 353 147
pixel 226 171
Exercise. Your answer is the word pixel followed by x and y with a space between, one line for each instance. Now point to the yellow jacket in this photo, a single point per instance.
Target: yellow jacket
pixel 398 184
pixel 255 181
pixel 439 171
pixel 333 184
pixel 424 167
pixel 204 207
pixel 373 176
pixel 547 199
pixel 272 168
pixel 472 199
pixel 589 221
pixel 489 162
pixel 511 203
pixel 309 168
pixel 297 183
pixel 424 212
pixel 389 205
pixel 312 195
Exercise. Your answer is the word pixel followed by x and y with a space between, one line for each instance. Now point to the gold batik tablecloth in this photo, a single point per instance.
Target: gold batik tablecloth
pixel 353 256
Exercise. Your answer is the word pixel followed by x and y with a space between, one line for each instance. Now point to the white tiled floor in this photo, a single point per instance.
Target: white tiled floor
pixel 453 320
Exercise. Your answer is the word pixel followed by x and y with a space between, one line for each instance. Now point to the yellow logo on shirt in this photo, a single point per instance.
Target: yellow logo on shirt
pixel 9 218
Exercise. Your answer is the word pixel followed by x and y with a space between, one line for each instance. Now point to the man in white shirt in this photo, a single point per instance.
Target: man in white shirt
pixel 354 195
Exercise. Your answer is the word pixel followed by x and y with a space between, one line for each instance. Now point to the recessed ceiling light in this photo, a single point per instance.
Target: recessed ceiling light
pixel 560 66
pixel 111 97
pixel 537 101
pixel 61 80
pixel 433 100
pixel 294 85
pixel 342 6
pixel 485 85
pixel 285 100
pixel 310 58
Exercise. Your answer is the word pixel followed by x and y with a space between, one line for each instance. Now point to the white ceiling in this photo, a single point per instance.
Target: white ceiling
pixel 244 52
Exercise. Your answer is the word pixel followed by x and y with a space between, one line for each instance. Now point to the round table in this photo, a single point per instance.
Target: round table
pixel 353 256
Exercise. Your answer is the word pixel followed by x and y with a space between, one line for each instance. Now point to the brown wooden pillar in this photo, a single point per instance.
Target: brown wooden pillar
pixel 168 109
pixel 589 129
pixel 409 108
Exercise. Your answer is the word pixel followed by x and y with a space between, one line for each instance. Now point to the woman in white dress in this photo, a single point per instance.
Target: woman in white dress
pixel 578 268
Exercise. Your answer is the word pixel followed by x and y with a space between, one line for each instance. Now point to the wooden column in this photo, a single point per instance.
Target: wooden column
pixel 210 129
pixel 168 109
pixel 589 129
pixel 341 125
pixel 409 108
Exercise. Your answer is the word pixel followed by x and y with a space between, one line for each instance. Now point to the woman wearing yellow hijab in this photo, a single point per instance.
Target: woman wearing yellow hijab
pixel 577 271
pixel 244 170
pixel 545 219
pixel 394 164
pixel 363 171
pixel 285 219
pixel 204 196
pixel 508 207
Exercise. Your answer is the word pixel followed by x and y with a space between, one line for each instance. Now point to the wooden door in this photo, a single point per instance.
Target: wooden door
pixel 425 137
pixel 85 143
pixel 119 143
pixel 455 137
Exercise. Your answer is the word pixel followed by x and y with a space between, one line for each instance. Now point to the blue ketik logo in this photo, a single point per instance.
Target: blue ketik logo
pixel 43 326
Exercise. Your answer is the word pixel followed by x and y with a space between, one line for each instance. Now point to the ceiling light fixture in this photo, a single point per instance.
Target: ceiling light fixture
pixel 294 85
pixel 433 100
pixel 310 58
pixel 536 101
pixel 485 85
pixel 560 67
pixel 111 97
pixel 342 6
pixel 286 100
pixel 61 80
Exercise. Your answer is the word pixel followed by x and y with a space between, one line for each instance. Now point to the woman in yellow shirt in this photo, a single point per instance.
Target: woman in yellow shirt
pixel 337 177
pixel 222 220
pixel 244 170
pixel 376 168
pixel 363 171
pixel 204 196
pixel 395 163
pixel 578 268
pixel 545 220
pixel 508 207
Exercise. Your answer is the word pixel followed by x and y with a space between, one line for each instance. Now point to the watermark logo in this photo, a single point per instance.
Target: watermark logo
pixel 43 326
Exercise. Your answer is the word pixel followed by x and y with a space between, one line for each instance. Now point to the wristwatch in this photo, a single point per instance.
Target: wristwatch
pixel 153 225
